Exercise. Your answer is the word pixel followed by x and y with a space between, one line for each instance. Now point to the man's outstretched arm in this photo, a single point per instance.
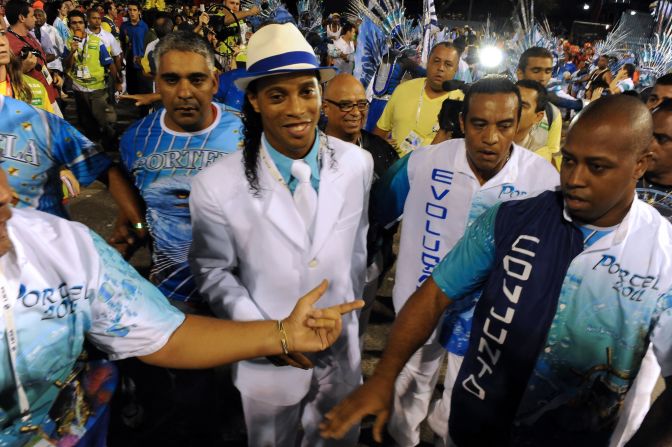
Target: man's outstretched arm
pixel 203 342
pixel 413 326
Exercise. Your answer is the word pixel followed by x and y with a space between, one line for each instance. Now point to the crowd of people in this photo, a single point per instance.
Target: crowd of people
pixel 273 161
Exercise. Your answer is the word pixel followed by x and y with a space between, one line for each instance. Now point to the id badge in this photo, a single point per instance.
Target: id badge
pixel 80 73
pixel 411 142
pixel 86 74
pixel 47 75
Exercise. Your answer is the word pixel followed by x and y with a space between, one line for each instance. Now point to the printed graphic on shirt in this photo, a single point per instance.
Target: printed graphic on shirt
pixel 34 145
pixel 163 164
pixel 659 198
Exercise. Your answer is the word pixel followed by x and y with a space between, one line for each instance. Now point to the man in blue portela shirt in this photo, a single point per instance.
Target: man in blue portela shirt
pixel 575 285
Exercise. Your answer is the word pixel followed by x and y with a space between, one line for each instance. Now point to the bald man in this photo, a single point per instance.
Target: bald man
pixel 654 188
pixel 574 286
pixel 345 107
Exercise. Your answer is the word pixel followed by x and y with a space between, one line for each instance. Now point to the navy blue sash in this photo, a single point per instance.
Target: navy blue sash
pixel 534 248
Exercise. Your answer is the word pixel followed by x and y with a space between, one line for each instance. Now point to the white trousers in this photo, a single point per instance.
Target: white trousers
pixel 413 392
pixel 271 425
pixel 637 401
pixel 439 411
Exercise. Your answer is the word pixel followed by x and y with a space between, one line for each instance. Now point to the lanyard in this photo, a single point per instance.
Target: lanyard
pixel 22 39
pixel 83 53
pixel 420 101
pixel 13 345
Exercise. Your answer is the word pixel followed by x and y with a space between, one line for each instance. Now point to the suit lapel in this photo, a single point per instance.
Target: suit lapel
pixel 330 201
pixel 280 209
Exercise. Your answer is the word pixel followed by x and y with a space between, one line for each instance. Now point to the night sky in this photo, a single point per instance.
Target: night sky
pixel 556 10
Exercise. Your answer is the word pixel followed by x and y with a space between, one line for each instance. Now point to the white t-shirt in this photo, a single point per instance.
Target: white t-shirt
pixel 626 85
pixel 445 198
pixel 66 284
pixel 345 49
pixel 111 43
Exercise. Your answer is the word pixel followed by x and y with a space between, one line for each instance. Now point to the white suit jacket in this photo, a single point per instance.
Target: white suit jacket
pixel 252 258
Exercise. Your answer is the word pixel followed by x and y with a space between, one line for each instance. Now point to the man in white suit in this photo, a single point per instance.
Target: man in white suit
pixel 275 219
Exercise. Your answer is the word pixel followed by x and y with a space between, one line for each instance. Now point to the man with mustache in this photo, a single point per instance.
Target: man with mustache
pixel 575 285
pixel 163 152
pixel 345 108
pixel 441 190
pixel 410 116
pixel 177 142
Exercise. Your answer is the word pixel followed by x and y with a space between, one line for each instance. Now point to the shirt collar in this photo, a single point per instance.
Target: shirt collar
pixel 284 163
pixel 621 232
pixel 507 174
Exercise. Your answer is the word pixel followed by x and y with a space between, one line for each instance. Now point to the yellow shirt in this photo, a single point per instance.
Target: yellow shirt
pixel 40 95
pixel 545 140
pixel 401 114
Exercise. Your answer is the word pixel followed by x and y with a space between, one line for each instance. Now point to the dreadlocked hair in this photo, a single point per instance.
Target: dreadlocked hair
pixel 252 130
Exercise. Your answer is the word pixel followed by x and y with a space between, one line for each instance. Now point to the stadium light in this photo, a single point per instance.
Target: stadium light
pixel 586 6
pixel 490 57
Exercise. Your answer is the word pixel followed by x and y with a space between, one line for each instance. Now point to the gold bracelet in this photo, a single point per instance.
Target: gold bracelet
pixel 283 338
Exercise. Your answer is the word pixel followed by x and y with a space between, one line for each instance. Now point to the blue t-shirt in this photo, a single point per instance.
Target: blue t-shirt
pixel 133 39
pixel 35 144
pixel 593 234
pixel 228 93
pixel 163 163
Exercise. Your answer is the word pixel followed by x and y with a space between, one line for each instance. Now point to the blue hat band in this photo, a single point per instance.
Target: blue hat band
pixel 283 60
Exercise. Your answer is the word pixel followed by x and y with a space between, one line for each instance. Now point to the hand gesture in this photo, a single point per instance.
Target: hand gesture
pixel 372 398
pixel 255 10
pixel 141 99
pixel 312 330
pixel 621 75
pixel 597 93
pixel 70 183
pixel 74 45
pixel 204 18
pixel 58 81
pixel 126 239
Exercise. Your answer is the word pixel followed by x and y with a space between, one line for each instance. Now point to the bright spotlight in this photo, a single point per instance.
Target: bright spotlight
pixel 586 6
pixel 632 13
pixel 490 57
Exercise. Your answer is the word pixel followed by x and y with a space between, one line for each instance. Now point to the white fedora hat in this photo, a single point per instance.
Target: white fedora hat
pixel 280 49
